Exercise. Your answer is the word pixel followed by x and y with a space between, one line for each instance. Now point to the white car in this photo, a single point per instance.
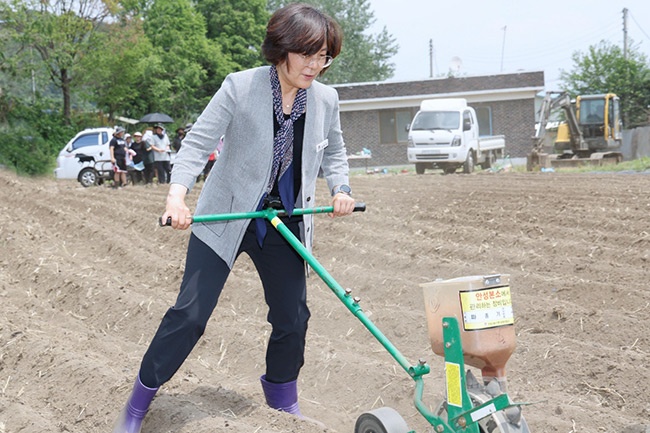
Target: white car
pixel 86 157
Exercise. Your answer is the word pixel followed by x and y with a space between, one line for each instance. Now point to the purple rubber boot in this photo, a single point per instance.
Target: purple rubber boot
pixel 284 397
pixel 130 419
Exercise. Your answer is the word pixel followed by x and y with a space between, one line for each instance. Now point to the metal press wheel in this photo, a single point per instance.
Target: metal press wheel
pixel 482 428
pixel 498 422
pixel 382 420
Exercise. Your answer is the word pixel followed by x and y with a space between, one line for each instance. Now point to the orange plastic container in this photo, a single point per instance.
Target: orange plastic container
pixel 483 308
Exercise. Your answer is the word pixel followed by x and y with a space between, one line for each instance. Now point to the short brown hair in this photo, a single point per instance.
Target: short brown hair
pixel 303 29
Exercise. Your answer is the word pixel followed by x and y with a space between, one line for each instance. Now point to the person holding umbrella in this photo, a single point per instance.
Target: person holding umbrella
pixel 162 153
pixel 280 127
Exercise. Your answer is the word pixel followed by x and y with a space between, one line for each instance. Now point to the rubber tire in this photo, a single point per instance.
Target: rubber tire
pixel 88 177
pixel 468 166
pixel 419 168
pixel 490 160
pixel 382 420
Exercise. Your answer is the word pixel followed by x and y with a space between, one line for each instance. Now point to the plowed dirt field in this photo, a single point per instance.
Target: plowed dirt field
pixel 86 275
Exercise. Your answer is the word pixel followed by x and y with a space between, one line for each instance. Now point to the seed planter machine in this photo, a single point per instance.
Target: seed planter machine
pixel 470 321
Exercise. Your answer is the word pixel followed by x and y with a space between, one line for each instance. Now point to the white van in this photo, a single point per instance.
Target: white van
pixel 86 156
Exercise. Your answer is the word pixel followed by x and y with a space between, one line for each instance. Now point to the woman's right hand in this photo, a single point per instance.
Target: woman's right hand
pixel 176 209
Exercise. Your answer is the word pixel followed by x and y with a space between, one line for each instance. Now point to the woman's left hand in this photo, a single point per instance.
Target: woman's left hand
pixel 343 205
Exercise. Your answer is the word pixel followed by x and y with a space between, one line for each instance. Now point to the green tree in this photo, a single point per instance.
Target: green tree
pixel 365 56
pixel 113 75
pixel 238 27
pixel 186 68
pixel 21 71
pixel 61 32
pixel 604 68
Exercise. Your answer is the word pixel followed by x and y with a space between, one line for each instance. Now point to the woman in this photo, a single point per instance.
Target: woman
pixel 279 128
pixel 118 148
pixel 138 157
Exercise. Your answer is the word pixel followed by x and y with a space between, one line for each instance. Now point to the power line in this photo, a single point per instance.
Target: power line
pixel 552 48
pixel 638 25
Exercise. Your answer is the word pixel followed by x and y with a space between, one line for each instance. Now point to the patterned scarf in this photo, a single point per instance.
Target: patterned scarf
pixel 283 140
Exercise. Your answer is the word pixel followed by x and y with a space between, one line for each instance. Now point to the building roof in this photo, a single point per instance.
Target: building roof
pixel 378 95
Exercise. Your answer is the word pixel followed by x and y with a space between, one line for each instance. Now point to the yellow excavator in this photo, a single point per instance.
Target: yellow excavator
pixel 591 133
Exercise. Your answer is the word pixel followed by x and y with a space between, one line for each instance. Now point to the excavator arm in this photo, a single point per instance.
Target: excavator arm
pixel 551 102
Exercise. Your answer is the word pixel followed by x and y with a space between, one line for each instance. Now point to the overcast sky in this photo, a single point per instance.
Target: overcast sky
pixel 538 35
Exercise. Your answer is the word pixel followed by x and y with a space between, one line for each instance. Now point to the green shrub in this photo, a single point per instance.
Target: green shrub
pixel 32 136
pixel 27 154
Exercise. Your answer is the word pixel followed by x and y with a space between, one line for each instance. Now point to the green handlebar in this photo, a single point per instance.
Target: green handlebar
pixel 266 213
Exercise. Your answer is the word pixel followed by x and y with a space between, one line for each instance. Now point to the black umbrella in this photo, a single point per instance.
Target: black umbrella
pixel 156 118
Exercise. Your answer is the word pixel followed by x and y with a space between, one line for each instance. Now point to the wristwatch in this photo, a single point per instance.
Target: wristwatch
pixel 345 189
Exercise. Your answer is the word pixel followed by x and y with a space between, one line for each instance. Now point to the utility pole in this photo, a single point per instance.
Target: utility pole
pixel 625 33
pixel 430 58
pixel 503 46
pixel 625 54
pixel 31 61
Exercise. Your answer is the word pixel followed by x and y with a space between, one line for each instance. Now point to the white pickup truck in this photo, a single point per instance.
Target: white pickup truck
pixel 444 134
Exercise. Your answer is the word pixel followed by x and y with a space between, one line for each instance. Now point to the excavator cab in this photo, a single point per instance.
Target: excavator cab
pixel 600 121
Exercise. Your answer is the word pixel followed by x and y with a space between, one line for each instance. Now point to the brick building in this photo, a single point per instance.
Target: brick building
pixel 375 115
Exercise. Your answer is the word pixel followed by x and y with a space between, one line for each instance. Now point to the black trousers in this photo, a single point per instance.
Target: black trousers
pixel 163 170
pixel 282 272
pixel 148 173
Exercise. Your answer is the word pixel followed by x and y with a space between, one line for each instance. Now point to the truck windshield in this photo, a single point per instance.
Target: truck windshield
pixel 427 120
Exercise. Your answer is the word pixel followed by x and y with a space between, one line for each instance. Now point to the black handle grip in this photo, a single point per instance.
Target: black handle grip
pixel 167 223
pixel 359 207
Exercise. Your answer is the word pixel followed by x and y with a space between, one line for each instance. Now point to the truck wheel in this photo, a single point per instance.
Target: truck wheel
pixel 419 168
pixel 468 166
pixel 88 177
pixel 490 160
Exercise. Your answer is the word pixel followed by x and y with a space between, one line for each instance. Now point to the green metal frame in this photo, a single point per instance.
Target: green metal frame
pixel 462 415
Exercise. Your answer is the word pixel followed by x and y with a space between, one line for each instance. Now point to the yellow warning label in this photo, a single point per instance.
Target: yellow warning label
pixel 454 394
pixel 486 308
